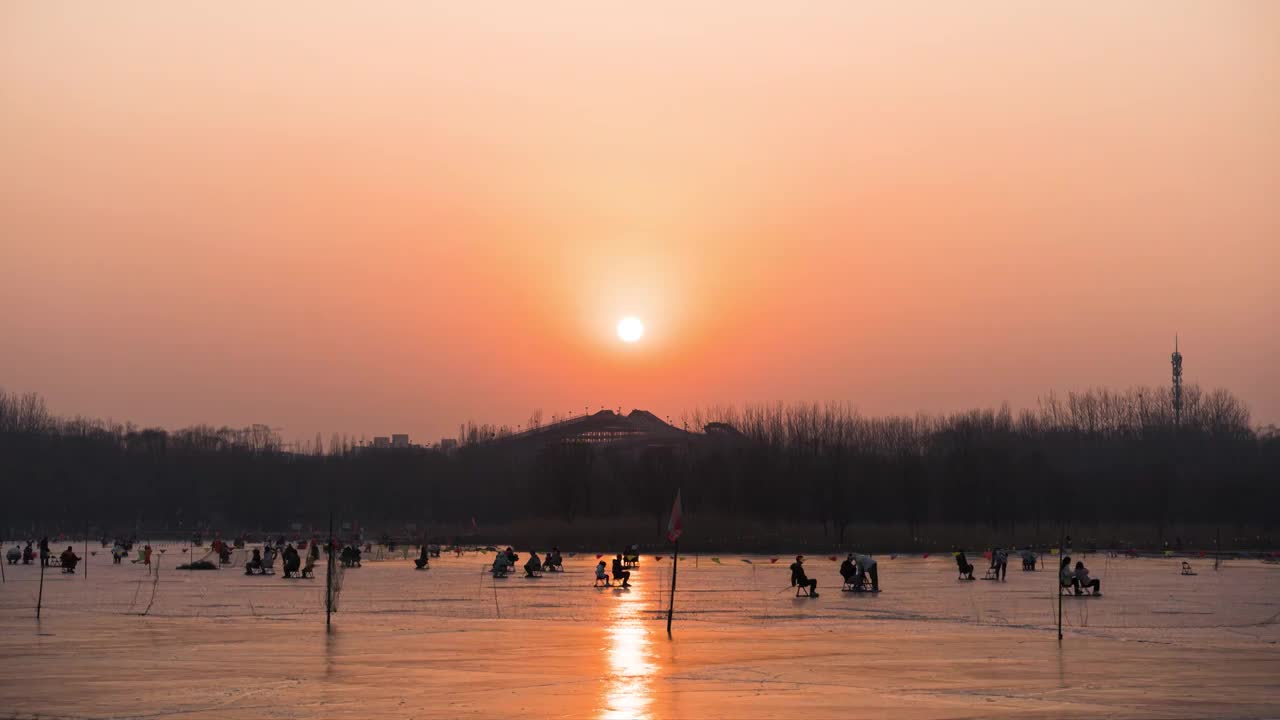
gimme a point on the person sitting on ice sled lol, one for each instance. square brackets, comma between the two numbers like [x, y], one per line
[424, 558]
[1065, 578]
[601, 574]
[553, 561]
[292, 560]
[350, 556]
[619, 573]
[69, 560]
[1083, 582]
[533, 565]
[849, 571]
[1028, 559]
[963, 565]
[14, 555]
[798, 578]
[502, 563]
[254, 564]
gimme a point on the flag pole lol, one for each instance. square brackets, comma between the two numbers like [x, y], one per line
[675, 527]
[671, 606]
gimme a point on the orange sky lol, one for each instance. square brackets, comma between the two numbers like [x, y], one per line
[394, 217]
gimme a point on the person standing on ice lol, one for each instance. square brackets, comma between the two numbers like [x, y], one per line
[867, 567]
[1000, 562]
[798, 577]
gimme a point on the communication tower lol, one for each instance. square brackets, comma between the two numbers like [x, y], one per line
[1176, 360]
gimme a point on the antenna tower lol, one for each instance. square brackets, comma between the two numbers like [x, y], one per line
[1176, 360]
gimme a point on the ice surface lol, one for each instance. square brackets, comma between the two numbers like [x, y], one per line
[454, 642]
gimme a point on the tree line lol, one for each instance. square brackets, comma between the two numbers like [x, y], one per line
[1091, 457]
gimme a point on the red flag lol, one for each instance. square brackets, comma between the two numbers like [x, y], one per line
[675, 526]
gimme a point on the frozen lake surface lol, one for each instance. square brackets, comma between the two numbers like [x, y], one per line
[454, 642]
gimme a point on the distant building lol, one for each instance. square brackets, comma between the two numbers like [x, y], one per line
[382, 442]
[399, 441]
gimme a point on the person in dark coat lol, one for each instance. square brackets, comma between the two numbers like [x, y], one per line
[800, 579]
[619, 573]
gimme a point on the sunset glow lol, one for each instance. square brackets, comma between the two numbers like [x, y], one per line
[908, 207]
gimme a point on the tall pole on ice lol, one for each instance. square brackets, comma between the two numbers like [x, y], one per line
[328, 576]
[1057, 580]
[671, 606]
[40, 597]
[675, 527]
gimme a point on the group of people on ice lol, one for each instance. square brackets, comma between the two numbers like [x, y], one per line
[999, 567]
[262, 562]
[505, 562]
[859, 572]
[620, 571]
[1078, 580]
[67, 559]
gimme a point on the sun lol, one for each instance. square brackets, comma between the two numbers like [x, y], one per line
[630, 329]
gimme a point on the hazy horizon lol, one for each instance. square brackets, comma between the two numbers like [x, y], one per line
[369, 220]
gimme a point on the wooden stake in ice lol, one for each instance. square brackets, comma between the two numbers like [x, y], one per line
[328, 576]
[40, 597]
[1057, 580]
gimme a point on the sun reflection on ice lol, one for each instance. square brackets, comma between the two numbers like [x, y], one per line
[627, 690]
